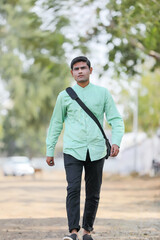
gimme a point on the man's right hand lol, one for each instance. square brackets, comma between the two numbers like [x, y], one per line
[50, 161]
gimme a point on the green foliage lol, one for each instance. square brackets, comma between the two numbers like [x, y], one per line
[34, 68]
[149, 102]
[133, 30]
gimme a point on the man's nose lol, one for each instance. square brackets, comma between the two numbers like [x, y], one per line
[80, 70]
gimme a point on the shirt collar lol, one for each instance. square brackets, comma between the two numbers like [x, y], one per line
[81, 88]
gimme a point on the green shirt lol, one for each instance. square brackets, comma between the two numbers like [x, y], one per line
[81, 132]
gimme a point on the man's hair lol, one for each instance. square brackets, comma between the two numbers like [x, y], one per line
[80, 59]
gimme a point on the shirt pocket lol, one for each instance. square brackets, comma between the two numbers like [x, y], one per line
[97, 110]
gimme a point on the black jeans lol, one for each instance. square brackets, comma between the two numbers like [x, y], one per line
[93, 181]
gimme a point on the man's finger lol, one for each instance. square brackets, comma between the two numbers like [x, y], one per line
[51, 162]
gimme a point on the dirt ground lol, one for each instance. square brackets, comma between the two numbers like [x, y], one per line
[33, 208]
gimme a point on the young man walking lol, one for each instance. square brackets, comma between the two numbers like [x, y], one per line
[83, 144]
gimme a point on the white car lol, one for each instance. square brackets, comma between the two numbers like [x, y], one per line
[18, 166]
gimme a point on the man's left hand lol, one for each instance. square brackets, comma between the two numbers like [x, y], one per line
[114, 150]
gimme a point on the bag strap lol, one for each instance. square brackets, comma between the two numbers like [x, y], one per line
[75, 97]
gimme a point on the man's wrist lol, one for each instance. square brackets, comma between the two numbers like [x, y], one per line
[116, 145]
[50, 154]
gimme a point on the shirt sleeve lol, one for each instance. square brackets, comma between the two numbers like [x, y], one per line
[114, 119]
[56, 126]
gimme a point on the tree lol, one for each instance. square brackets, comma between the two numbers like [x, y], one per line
[34, 69]
[133, 30]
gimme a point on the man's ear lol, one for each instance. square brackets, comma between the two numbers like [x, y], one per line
[71, 72]
[91, 69]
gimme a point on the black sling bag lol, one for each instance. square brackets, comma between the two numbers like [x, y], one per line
[74, 96]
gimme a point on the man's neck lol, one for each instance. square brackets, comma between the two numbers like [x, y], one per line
[83, 84]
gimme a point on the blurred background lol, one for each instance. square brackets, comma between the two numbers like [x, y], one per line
[39, 38]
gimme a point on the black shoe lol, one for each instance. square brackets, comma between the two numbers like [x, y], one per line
[73, 236]
[87, 237]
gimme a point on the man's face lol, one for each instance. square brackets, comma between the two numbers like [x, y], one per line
[81, 72]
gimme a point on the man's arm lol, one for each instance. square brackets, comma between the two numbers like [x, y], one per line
[55, 128]
[115, 120]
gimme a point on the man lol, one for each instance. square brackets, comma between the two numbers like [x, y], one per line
[84, 145]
